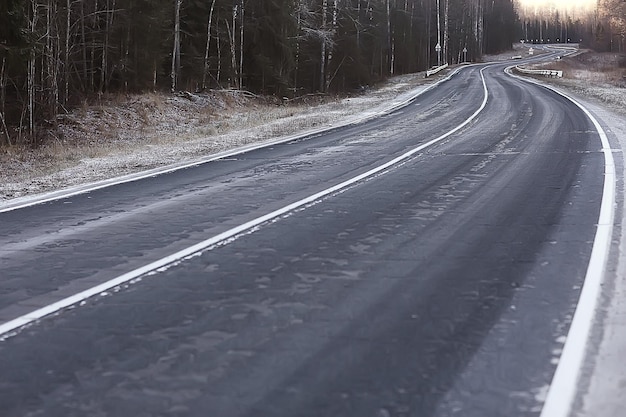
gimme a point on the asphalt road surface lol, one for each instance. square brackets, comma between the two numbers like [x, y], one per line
[440, 284]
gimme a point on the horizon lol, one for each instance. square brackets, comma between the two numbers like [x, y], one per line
[579, 5]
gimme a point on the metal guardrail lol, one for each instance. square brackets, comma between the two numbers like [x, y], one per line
[435, 70]
[545, 73]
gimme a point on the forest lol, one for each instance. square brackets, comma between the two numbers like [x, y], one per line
[56, 54]
[602, 28]
[554, 26]
[609, 28]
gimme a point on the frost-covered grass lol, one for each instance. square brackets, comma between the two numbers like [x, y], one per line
[122, 134]
[600, 76]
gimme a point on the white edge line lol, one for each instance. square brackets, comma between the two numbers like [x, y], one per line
[30, 201]
[40, 313]
[564, 385]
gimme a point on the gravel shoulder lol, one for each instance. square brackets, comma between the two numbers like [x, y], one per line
[602, 388]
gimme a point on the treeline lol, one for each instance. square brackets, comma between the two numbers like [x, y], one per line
[553, 26]
[56, 53]
[602, 27]
[609, 29]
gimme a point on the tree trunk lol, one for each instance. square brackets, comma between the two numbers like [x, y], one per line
[232, 33]
[3, 84]
[208, 43]
[241, 29]
[445, 31]
[330, 48]
[49, 78]
[219, 53]
[389, 41]
[438, 34]
[481, 41]
[105, 50]
[176, 48]
[66, 68]
[92, 52]
[323, 48]
[84, 41]
[31, 75]
[126, 59]
[297, 54]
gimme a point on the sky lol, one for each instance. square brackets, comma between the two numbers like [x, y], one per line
[560, 4]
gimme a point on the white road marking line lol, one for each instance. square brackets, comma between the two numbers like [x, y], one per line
[16, 324]
[563, 388]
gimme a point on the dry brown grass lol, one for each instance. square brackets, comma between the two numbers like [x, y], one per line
[600, 76]
[118, 134]
[599, 68]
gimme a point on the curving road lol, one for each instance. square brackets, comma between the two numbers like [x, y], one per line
[424, 263]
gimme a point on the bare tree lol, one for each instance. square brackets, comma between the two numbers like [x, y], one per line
[3, 84]
[241, 32]
[31, 73]
[208, 44]
[219, 53]
[323, 48]
[108, 24]
[333, 32]
[390, 45]
[357, 24]
[480, 28]
[438, 47]
[299, 20]
[84, 49]
[51, 57]
[176, 49]
[66, 72]
[446, 35]
[232, 33]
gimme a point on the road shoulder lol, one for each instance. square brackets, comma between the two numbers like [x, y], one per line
[601, 389]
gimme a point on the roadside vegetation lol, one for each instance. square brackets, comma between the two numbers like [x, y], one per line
[600, 76]
[598, 69]
[123, 134]
[57, 54]
[102, 98]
